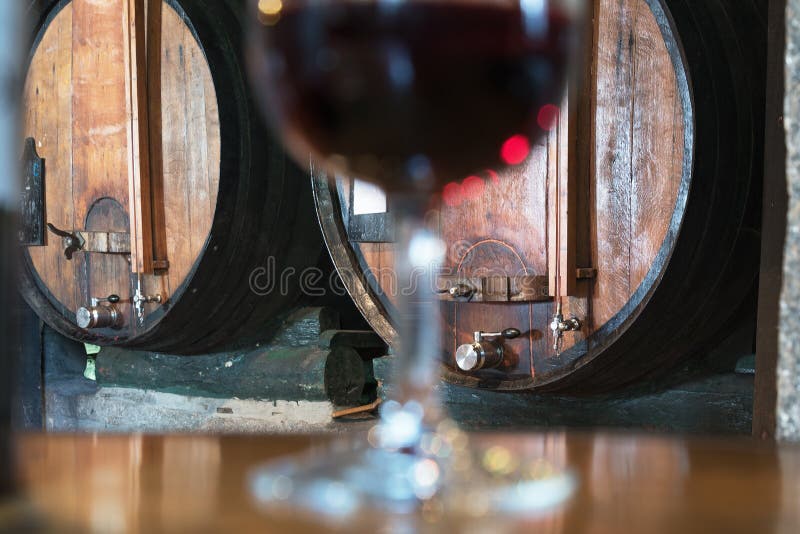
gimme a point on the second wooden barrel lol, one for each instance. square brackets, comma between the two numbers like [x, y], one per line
[227, 212]
[625, 241]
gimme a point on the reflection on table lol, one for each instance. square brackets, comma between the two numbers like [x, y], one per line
[626, 483]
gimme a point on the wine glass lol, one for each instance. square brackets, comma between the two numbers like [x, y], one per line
[412, 95]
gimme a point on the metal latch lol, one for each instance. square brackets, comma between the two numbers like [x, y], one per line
[101, 242]
[73, 242]
[528, 288]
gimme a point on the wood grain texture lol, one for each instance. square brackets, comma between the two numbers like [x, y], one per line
[657, 149]
[47, 116]
[138, 164]
[155, 143]
[191, 146]
[78, 109]
[100, 141]
[613, 152]
[614, 160]
[107, 270]
[638, 151]
[561, 198]
[100, 104]
[380, 259]
[628, 484]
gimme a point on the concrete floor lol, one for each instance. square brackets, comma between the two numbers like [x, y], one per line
[716, 404]
[704, 397]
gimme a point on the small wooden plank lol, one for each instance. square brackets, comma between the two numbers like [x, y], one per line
[175, 134]
[540, 337]
[584, 153]
[657, 150]
[367, 408]
[32, 216]
[773, 231]
[139, 193]
[553, 213]
[64, 159]
[495, 288]
[197, 181]
[100, 104]
[106, 242]
[561, 217]
[568, 178]
[101, 130]
[214, 144]
[380, 259]
[190, 130]
[612, 187]
[48, 119]
[155, 143]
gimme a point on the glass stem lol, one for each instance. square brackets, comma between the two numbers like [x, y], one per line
[418, 255]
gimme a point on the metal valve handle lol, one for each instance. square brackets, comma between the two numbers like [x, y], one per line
[111, 299]
[508, 333]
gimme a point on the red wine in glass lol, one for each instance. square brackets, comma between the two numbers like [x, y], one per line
[413, 94]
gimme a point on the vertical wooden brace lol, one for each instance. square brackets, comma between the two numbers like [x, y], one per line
[145, 182]
[561, 219]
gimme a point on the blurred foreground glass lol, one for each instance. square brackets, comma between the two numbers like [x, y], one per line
[10, 59]
[411, 95]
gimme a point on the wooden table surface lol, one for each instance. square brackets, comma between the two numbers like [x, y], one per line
[627, 483]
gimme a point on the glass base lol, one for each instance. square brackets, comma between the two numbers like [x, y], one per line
[353, 479]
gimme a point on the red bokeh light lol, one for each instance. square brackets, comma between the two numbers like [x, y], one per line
[515, 150]
[472, 187]
[493, 176]
[547, 117]
[452, 194]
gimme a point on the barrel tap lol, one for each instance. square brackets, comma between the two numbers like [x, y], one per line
[102, 313]
[486, 350]
[140, 299]
[558, 326]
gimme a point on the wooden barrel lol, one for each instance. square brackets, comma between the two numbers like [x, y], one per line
[639, 213]
[227, 209]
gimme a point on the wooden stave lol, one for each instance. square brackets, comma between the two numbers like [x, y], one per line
[593, 366]
[249, 223]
